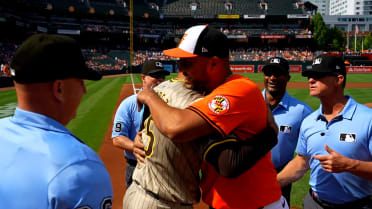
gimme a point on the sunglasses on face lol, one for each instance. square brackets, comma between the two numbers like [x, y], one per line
[275, 73]
[157, 75]
[317, 76]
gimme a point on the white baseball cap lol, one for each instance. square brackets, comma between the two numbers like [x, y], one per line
[201, 40]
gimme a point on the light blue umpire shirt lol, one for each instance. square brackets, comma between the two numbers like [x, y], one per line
[127, 121]
[349, 134]
[288, 116]
[43, 165]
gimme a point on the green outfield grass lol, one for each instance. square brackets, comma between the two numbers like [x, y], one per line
[97, 108]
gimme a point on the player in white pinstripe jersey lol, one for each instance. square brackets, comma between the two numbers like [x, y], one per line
[170, 176]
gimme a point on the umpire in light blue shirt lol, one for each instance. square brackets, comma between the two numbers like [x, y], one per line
[288, 113]
[127, 121]
[335, 143]
[43, 165]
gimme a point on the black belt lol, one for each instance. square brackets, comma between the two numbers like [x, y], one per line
[131, 162]
[155, 196]
[348, 205]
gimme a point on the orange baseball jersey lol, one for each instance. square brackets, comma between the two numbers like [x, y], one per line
[238, 107]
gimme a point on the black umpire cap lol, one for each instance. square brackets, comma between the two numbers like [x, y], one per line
[276, 66]
[154, 68]
[326, 65]
[46, 57]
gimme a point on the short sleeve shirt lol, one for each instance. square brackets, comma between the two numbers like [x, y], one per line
[349, 134]
[127, 121]
[288, 115]
[45, 166]
[237, 106]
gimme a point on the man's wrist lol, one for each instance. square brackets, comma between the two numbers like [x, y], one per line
[354, 164]
[149, 96]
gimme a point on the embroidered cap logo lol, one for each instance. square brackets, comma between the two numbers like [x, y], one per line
[275, 60]
[158, 64]
[317, 61]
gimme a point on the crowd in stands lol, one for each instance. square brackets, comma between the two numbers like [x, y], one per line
[251, 54]
[119, 59]
[263, 54]
[7, 51]
[99, 61]
[141, 56]
[179, 30]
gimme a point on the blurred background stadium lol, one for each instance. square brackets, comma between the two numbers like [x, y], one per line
[257, 30]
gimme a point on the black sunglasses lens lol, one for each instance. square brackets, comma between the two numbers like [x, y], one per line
[315, 76]
[320, 75]
[272, 73]
[157, 75]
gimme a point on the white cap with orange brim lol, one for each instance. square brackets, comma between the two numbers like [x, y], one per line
[200, 40]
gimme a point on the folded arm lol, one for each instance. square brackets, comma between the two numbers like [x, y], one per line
[232, 157]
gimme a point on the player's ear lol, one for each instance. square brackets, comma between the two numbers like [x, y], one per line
[58, 90]
[212, 64]
[340, 79]
[214, 61]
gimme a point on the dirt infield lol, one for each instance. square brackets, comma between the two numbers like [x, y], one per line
[113, 157]
[7, 88]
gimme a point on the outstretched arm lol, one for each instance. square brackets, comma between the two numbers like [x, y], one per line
[180, 125]
[123, 142]
[294, 170]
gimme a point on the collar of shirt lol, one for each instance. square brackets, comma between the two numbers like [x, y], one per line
[346, 113]
[38, 120]
[284, 102]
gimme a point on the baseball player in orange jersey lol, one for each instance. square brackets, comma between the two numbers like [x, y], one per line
[234, 104]
[170, 176]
